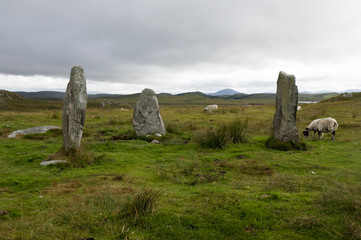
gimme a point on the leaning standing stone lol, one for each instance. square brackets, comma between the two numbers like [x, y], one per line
[146, 116]
[284, 120]
[75, 102]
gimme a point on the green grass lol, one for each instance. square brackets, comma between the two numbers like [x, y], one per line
[129, 188]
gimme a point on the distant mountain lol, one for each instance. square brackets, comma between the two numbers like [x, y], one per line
[224, 92]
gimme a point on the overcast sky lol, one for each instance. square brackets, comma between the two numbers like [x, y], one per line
[180, 45]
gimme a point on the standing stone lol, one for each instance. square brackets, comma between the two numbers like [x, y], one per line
[284, 120]
[75, 102]
[146, 116]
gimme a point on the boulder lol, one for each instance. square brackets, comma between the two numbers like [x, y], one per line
[146, 116]
[40, 129]
[211, 108]
[74, 108]
[284, 120]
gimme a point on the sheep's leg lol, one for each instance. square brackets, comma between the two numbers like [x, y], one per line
[333, 135]
[320, 134]
[314, 132]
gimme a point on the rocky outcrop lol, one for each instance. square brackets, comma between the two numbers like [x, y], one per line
[146, 116]
[74, 108]
[6, 96]
[284, 121]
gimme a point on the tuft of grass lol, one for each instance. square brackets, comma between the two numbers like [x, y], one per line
[225, 133]
[77, 158]
[285, 146]
[174, 127]
[342, 199]
[237, 130]
[5, 131]
[141, 205]
[213, 137]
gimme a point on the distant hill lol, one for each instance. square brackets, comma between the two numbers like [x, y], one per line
[189, 97]
[43, 95]
[226, 91]
[192, 93]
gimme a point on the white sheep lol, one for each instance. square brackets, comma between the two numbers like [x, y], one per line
[321, 126]
[299, 108]
[211, 108]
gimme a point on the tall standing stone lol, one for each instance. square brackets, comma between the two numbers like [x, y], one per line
[146, 116]
[74, 108]
[284, 121]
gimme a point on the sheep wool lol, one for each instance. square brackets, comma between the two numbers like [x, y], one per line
[321, 126]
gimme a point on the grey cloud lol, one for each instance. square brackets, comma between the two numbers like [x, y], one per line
[124, 40]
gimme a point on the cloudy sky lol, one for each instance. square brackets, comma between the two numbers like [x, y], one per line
[180, 45]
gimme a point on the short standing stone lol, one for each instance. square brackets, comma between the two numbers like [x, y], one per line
[74, 108]
[284, 120]
[146, 116]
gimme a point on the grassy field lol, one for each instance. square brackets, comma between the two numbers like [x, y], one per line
[133, 189]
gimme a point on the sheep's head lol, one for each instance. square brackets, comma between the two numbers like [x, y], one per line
[306, 132]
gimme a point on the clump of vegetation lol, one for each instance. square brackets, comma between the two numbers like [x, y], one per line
[173, 127]
[5, 131]
[141, 205]
[285, 146]
[109, 211]
[78, 158]
[225, 133]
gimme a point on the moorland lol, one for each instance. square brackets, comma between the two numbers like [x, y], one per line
[120, 186]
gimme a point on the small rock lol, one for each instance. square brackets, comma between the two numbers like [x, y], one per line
[45, 163]
[155, 141]
[263, 196]
[158, 134]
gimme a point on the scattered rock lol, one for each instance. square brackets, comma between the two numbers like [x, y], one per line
[284, 121]
[74, 108]
[263, 196]
[158, 134]
[155, 141]
[347, 95]
[40, 129]
[146, 116]
[105, 103]
[45, 163]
